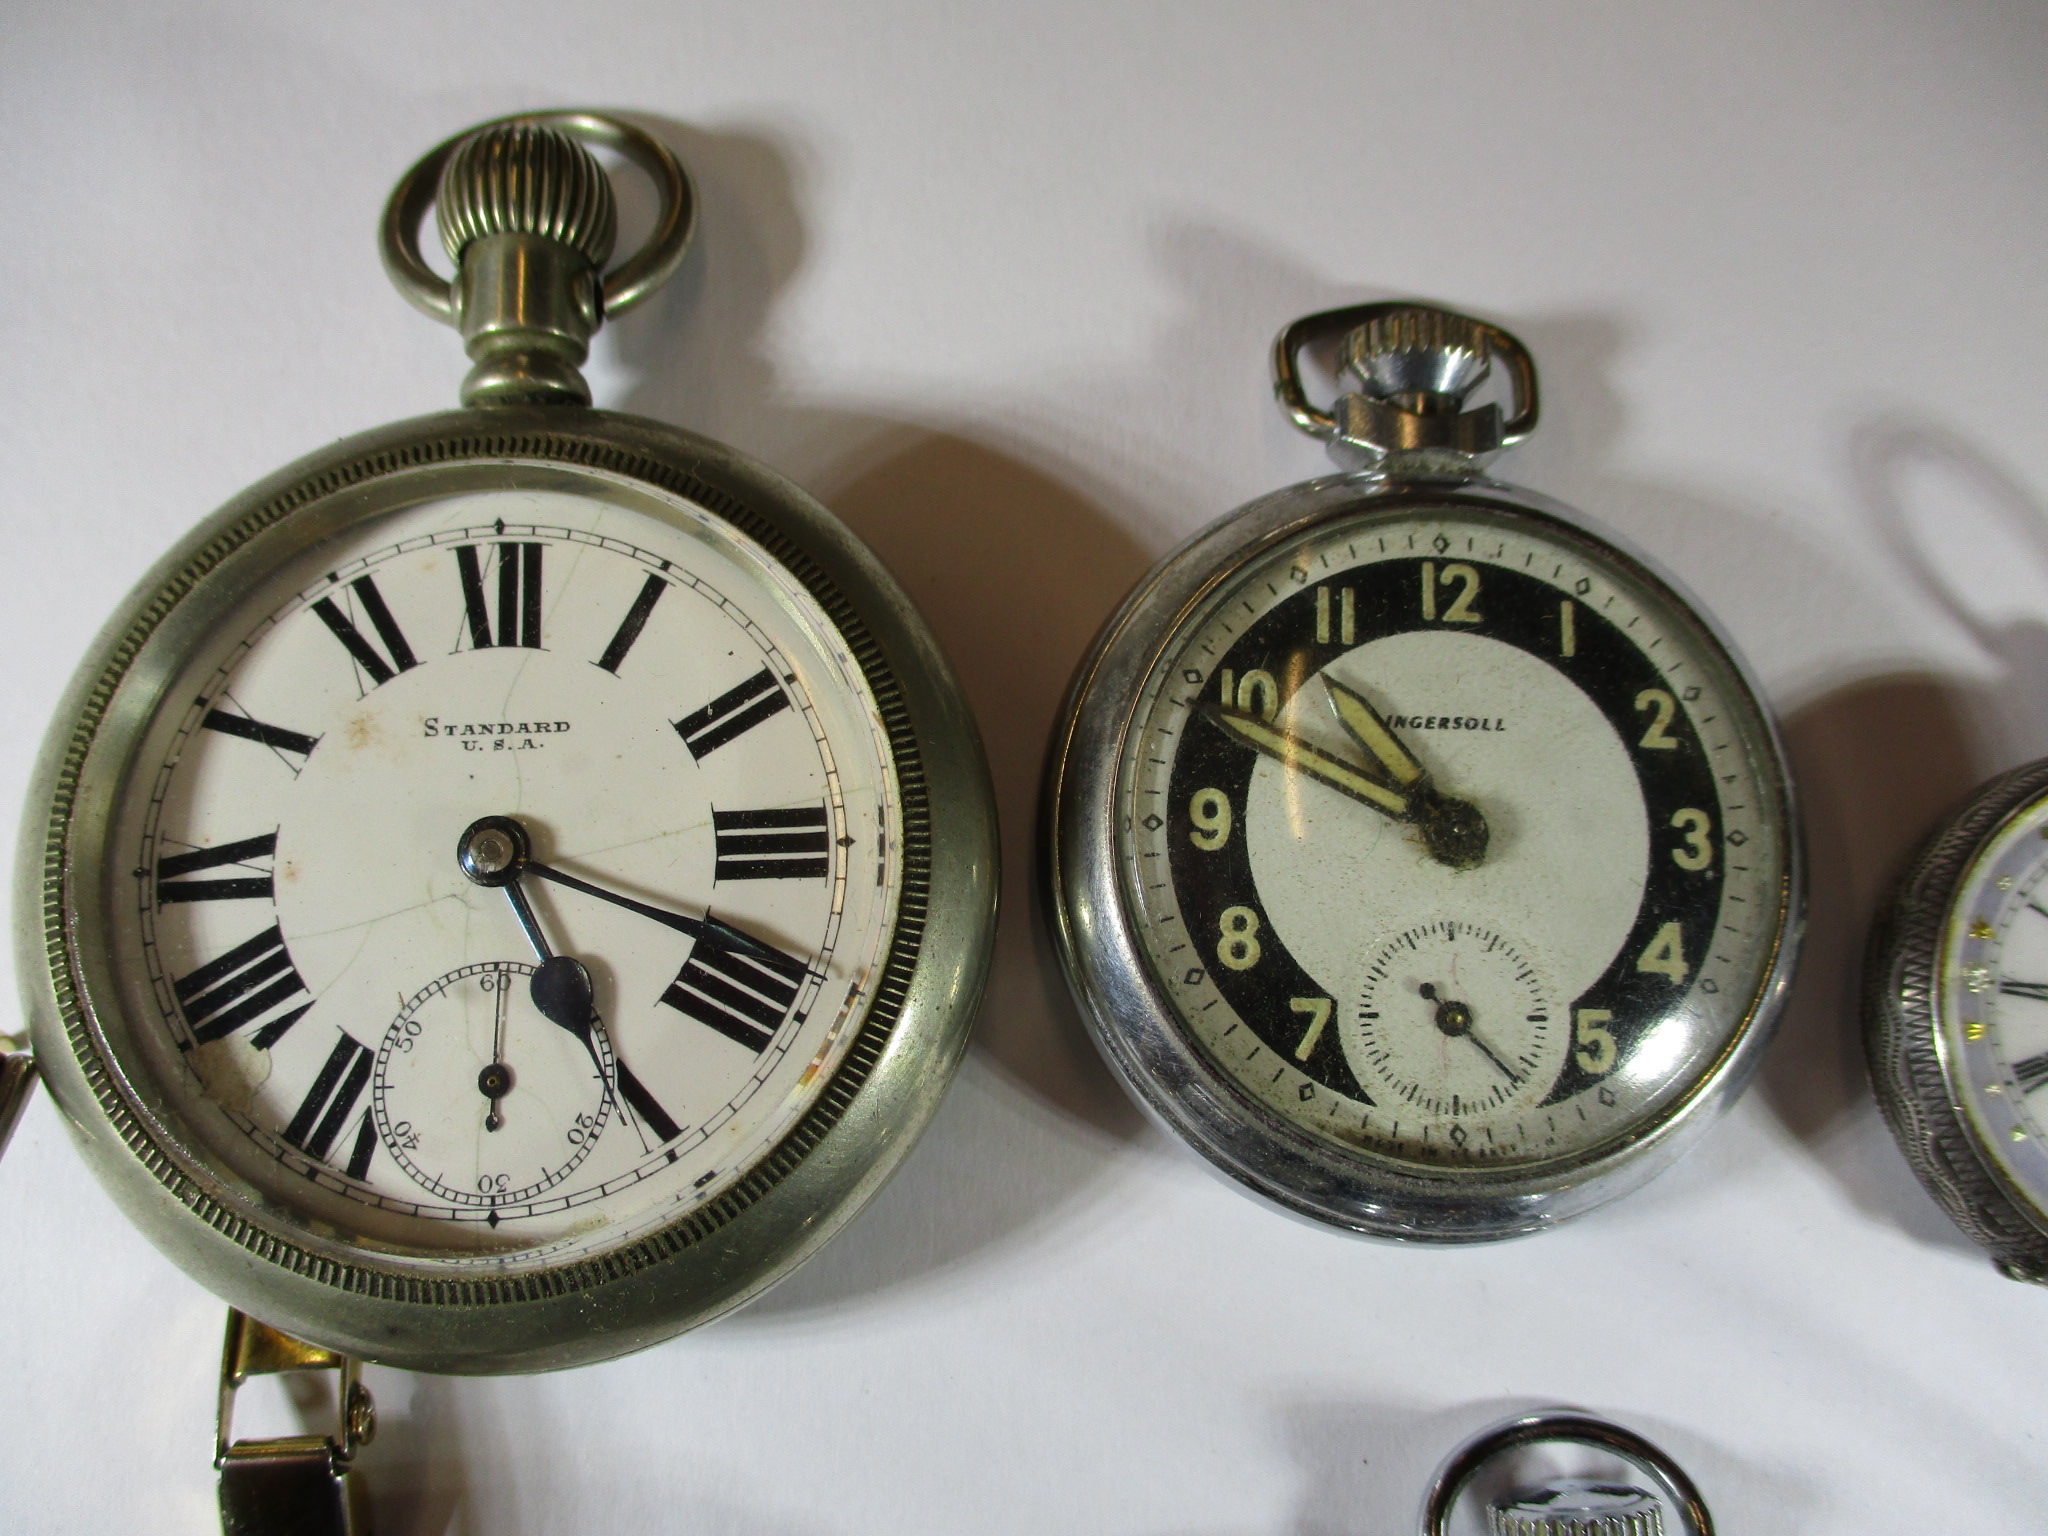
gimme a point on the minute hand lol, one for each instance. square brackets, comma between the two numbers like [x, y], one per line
[1292, 752]
[693, 926]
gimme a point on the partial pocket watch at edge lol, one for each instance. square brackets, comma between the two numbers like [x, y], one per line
[1956, 1019]
[509, 886]
[1421, 858]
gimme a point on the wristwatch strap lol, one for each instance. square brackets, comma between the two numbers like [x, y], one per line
[297, 1485]
[17, 1083]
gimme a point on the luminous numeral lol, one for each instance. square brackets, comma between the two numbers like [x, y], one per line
[1459, 575]
[2031, 1073]
[1347, 616]
[275, 737]
[1318, 1011]
[519, 593]
[326, 1106]
[738, 985]
[241, 986]
[397, 657]
[1237, 942]
[1209, 810]
[1698, 851]
[170, 887]
[1665, 954]
[1255, 693]
[733, 713]
[1663, 709]
[1595, 1052]
[1567, 628]
[630, 626]
[771, 845]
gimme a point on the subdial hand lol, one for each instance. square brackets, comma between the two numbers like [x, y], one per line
[1454, 1018]
[495, 1081]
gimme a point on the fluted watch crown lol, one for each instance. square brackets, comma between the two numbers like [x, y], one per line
[1417, 352]
[522, 178]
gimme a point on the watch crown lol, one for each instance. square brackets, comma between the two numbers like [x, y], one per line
[1425, 359]
[1573, 1507]
[527, 215]
[524, 178]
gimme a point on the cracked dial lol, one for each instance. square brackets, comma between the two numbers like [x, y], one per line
[677, 725]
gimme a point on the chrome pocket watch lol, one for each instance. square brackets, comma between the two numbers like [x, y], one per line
[1956, 1019]
[1422, 859]
[509, 886]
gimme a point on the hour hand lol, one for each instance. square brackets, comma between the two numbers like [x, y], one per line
[1291, 751]
[1452, 830]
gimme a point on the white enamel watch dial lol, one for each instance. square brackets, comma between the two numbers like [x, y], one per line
[671, 721]
[1421, 858]
[511, 885]
[1958, 1019]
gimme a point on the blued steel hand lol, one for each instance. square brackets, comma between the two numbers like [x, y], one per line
[494, 851]
[1455, 1018]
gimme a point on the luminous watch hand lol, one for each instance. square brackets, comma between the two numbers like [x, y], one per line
[1454, 829]
[1292, 752]
[1373, 733]
[1455, 1018]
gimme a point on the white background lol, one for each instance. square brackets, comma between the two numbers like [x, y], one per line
[996, 282]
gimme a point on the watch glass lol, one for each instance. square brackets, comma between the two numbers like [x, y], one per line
[1992, 1016]
[1451, 838]
[333, 1017]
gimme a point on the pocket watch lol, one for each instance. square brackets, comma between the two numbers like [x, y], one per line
[1956, 1019]
[508, 886]
[1424, 860]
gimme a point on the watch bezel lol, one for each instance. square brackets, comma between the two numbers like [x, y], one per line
[816, 1177]
[1133, 1021]
[1912, 1073]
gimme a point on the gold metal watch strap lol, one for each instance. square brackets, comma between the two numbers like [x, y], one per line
[296, 1485]
[17, 1083]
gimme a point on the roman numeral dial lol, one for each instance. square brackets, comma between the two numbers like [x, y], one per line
[379, 666]
[247, 984]
[772, 845]
[328, 1102]
[171, 872]
[739, 985]
[566, 1043]
[518, 585]
[732, 714]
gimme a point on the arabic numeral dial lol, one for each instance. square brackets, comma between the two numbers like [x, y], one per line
[1466, 818]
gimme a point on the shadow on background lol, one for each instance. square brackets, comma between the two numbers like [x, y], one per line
[1881, 760]
[1013, 568]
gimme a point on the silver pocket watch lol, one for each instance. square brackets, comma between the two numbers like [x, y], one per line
[510, 885]
[1424, 860]
[1956, 1018]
